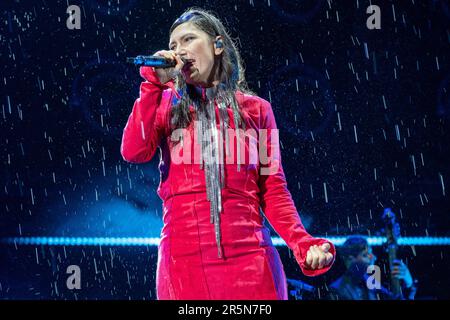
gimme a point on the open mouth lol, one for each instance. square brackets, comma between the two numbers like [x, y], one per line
[189, 65]
[188, 60]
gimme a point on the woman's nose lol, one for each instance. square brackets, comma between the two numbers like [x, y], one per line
[180, 52]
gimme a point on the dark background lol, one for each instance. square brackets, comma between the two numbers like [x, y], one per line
[66, 95]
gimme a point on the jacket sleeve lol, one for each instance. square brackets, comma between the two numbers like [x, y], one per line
[275, 199]
[147, 123]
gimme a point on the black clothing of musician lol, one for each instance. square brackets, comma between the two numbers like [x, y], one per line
[357, 284]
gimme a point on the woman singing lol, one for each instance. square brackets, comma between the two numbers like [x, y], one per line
[210, 128]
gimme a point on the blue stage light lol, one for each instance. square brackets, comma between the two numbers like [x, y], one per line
[134, 241]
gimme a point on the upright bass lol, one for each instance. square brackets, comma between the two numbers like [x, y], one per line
[392, 231]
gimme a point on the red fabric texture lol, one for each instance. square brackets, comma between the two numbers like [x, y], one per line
[188, 266]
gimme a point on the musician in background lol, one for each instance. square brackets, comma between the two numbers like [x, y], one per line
[352, 285]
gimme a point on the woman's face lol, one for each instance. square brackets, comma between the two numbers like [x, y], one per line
[191, 43]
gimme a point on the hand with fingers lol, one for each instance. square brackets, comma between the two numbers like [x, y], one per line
[166, 74]
[400, 271]
[318, 257]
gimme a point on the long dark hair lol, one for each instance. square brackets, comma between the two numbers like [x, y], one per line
[230, 70]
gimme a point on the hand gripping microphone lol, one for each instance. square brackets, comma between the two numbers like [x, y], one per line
[155, 61]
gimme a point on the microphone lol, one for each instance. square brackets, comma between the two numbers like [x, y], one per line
[155, 61]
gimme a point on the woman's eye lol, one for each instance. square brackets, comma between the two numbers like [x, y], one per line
[185, 39]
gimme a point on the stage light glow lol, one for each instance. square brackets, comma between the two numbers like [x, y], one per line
[142, 241]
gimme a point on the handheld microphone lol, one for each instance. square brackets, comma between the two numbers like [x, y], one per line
[155, 61]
